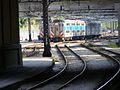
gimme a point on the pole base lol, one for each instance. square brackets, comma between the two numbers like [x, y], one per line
[47, 53]
[30, 39]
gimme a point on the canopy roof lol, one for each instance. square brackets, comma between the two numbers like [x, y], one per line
[78, 9]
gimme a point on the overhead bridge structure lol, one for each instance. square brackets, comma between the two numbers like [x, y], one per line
[99, 9]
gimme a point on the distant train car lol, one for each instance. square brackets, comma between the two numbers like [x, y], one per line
[93, 30]
[57, 28]
[55, 31]
[72, 30]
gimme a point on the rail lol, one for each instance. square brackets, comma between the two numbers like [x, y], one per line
[114, 59]
[43, 82]
[79, 74]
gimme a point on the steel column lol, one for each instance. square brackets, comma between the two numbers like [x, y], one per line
[113, 26]
[29, 29]
[119, 28]
[47, 47]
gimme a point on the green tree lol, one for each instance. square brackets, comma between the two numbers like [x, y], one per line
[23, 22]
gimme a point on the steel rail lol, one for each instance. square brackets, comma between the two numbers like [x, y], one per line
[118, 54]
[114, 59]
[64, 68]
[76, 76]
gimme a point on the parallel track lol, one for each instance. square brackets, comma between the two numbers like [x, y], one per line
[103, 52]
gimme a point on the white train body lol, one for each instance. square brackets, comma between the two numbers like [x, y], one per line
[73, 29]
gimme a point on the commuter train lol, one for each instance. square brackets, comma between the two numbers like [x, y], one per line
[73, 30]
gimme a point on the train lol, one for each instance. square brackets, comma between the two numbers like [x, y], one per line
[61, 30]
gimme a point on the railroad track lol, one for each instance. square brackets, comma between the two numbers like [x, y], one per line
[63, 72]
[35, 81]
[78, 74]
[52, 77]
[56, 71]
[67, 54]
[109, 54]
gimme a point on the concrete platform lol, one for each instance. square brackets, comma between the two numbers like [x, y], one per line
[31, 67]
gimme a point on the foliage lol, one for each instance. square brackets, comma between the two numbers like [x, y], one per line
[109, 24]
[35, 22]
[23, 23]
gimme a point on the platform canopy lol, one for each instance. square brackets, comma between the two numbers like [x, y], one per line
[73, 9]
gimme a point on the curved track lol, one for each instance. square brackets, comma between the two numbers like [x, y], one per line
[77, 75]
[66, 53]
[54, 76]
[42, 78]
[109, 55]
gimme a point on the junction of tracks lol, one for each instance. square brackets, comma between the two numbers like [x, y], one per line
[74, 65]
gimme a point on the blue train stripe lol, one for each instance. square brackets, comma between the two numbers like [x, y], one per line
[74, 27]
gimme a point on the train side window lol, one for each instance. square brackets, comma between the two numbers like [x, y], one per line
[67, 24]
[78, 23]
[67, 31]
[73, 31]
[82, 24]
[73, 23]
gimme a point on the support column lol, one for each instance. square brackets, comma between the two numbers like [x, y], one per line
[106, 25]
[1, 62]
[113, 26]
[10, 48]
[47, 47]
[0, 25]
[116, 22]
[29, 29]
[119, 28]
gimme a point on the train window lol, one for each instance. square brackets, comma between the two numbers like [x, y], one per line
[73, 31]
[67, 24]
[77, 30]
[73, 23]
[78, 23]
[67, 31]
[82, 24]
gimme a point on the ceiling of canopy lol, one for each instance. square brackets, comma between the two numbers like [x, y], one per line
[73, 9]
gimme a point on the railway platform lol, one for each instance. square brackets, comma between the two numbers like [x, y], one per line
[31, 67]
